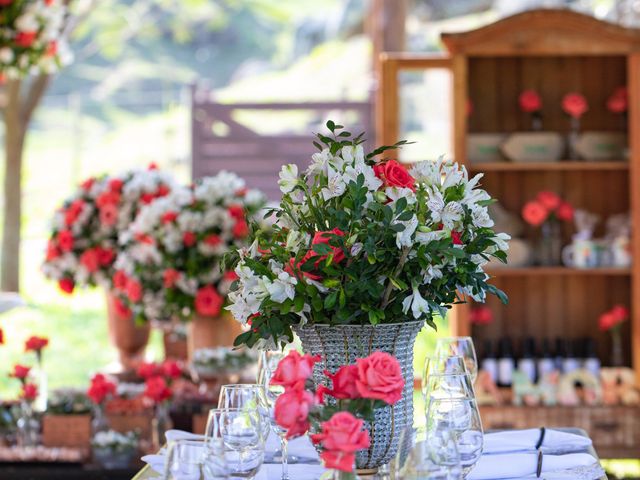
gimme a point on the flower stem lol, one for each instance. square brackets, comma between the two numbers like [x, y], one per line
[387, 292]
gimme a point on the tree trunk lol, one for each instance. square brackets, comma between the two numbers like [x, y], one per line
[14, 142]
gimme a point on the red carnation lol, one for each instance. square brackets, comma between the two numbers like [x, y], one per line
[29, 391]
[52, 251]
[35, 343]
[26, 39]
[162, 191]
[73, 212]
[108, 197]
[20, 372]
[240, 229]
[108, 215]
[100, 388]
[574, 105]
[146, 198]
[189, 239]
[66, 285]
[548, 199]
[65, 240]
[116, 184]
[88, 183]
[169, 277]
[530, 101]
[106, 256]
[208, 302]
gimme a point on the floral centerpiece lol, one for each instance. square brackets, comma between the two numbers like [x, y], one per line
[100, 390]
[611, 321]
[37, 345]
[28, 425]
[364, 251]
[336, 424]
[32, 37]
[114, 450]
[547, 210]
[170, 266]
[221, 361]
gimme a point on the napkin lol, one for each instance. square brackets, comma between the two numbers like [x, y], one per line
[524, 465]
[297, 471]
[555, 441]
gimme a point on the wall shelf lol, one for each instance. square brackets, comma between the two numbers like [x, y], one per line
[561, 166]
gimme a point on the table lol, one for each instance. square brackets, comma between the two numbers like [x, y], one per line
[147, 474]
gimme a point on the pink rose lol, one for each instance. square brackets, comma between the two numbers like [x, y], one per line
[294, 370]
[291, 411]
[394, 174]
[342, 461]
[344, 382]
[109, 215]
[380, 377]
[549, 200]
[530, 101]
[574, 105]
[343, 432]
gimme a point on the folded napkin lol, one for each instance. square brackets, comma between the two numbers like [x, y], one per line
[296, 471]
[554, 441]
[524, 465]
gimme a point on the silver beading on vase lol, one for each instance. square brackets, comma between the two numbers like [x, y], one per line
[340, 345]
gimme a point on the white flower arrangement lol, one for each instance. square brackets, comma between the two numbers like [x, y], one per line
[221, 360]
[115, 441]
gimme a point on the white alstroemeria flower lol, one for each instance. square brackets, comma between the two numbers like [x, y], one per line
[426, 237]
[282, 288]
[356, 248]
[403, 238]
[419, 306]
[480, 217]
[465, 290]
[288, 178]
[502, 243]
[395, 193]
[427, 172]
[336, 185]
[243, 306]
[353, 155]
[433, 272]
[303, 315]
[296, 239]
[446, 213]
[372, 182]
[453, 175]
[319, 162]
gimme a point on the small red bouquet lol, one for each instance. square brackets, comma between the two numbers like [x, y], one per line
[547, 206]
[337, 424]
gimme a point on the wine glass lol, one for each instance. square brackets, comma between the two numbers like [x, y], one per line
[240, 431]
[441, 365]
[459, 347]
[461, 417]
[420, 457]
[269, 394]
[195, 460]
[245, 396]
[448, 386]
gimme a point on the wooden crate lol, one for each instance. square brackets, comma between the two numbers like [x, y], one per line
[66, 431]
[615, 431]
[140, 422]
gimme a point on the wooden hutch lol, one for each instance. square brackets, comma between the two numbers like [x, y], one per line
[553, 52]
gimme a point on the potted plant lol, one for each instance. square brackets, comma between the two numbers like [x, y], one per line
[83, 245]
[114, 450]
[169, 267]
[67, 421]
[363, 253]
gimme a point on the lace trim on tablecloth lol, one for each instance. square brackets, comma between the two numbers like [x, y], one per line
[592, 472]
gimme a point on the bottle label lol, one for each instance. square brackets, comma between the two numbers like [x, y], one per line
[570, 364]
[593, 365]
[545, 365]
[528, 367]
[505, 371]
[490, 365]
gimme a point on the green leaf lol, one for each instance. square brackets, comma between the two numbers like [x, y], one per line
[330, 300]
[331, 125]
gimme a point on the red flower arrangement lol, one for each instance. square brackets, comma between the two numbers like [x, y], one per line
[574, 105]
[158, 379]
[35, 344]
[613, 318]
[530, 101]
[618, 102]
[374, 380]
[481, 315]
[545, 207]
[100, 389]
[29, 392]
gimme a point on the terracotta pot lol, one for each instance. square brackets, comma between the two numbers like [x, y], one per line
[130, 340]
[205, 332]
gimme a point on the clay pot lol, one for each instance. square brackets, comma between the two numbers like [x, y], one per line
[206, 332]
[128, 338]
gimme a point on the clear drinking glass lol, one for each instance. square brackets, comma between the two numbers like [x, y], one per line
[460, 417]
[195, 460]
[441, 365]
[241, 434]
[269, 394]
[459, 347]
[448, 386]
[423, 457]
[245, 396]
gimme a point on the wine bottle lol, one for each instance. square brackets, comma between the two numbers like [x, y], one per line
[506, 363]
[571, 362]
[527, 362]
[489, 361]
[591, 361]
[546, 363]
[560, 354]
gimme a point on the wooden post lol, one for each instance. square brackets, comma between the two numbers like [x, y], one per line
[633, 69]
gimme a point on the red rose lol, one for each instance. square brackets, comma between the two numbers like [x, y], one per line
[294, 369]
[121, 309]
[106, 256]
[574, 105]
[1, 337]
[344, 382]
[157, 390]
[26, 39]
[208, 302]
[120, 280]
[394, 174]
[73, 212]
[35, 343]
[89, 260]
[380, 377]
[291, 411]
[87, 184]
[230, 276]
[148, 369]
[565, 212]
[169, 217]
[481, 316]
[293, 268]
[213, 240]
[607, 321]
[100, 388]
[20, 371]
[549, 199]
[620, 312]
[52, 251]
[171, 369]
[108, 197]
[115, 184]
[66, 285]
[618, 101]
[236, 211]
[162, 190]
[65, 240]
[108, 215]
[344, 433]
[169, 277]
[189, 239]
[534, 213]
[29, 391]
[530, 101]
[456, 237]
[343, 461]
[240, 229]
[146, 198]
[133, 290]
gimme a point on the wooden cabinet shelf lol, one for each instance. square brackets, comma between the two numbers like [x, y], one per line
[561, 166]
[525, 271]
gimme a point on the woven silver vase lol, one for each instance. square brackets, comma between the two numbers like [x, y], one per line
[340, 345]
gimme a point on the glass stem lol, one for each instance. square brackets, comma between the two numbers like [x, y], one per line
[285, 466]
